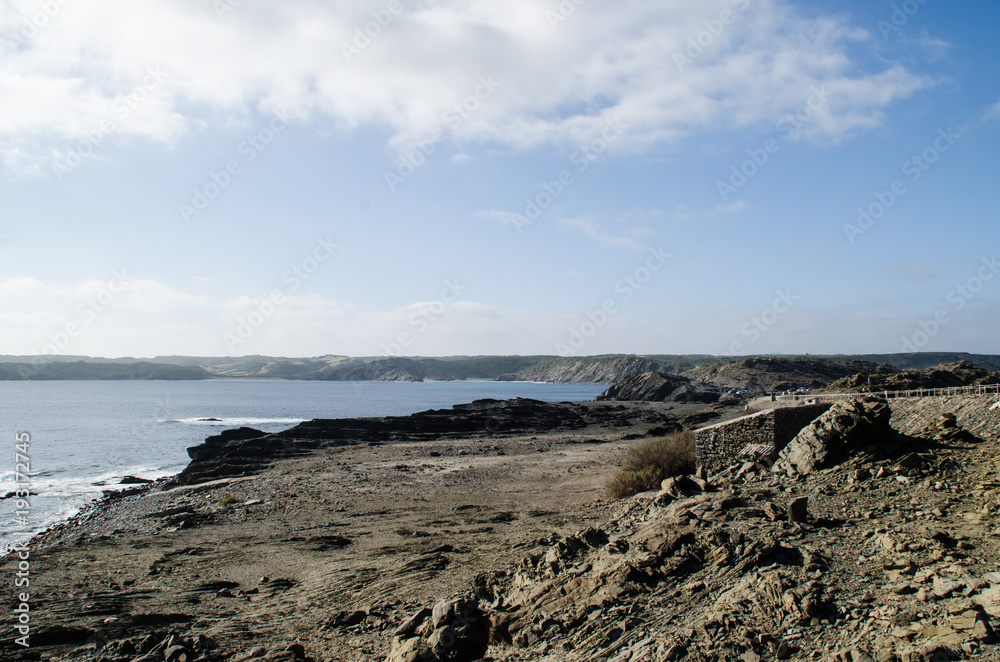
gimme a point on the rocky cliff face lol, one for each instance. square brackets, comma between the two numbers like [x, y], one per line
[589, 371]
[543, 369]
[658, 387]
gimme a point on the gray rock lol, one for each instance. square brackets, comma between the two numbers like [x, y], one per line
[675, 652]
[175, 654]
[443, 612]
[410, 625]
[798, 509]
[772, 511]
[845, 428]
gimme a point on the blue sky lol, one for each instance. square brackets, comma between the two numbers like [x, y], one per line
[516, 177]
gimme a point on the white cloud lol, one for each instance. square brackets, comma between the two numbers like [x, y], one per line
[606, 61]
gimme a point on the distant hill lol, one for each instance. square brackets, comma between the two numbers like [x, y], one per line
[589, 370]
[99, 371]
[756, 374]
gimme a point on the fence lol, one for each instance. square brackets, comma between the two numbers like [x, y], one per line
[816, 398]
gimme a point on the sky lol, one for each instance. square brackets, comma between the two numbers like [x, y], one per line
[446, 177]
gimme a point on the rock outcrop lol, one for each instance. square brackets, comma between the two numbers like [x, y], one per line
[768, 374]
[246, 451]
[947, 375]
[843, 429]
[659, 387]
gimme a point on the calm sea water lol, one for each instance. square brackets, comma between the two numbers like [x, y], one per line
[85, 436]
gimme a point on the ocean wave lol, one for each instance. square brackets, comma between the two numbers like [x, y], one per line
[61, 487]
[233, 422]
[57, 499]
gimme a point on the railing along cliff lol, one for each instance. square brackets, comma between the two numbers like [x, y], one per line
[798, 398]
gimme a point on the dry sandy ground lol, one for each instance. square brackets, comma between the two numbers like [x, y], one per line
[285, 555]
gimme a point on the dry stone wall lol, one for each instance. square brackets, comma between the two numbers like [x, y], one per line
[719, 446]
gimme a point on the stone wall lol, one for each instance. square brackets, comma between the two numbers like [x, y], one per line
[718, 446]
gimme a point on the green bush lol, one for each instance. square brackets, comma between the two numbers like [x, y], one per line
[228, 500]
[647, 465]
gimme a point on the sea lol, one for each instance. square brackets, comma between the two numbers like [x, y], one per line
[78, 439]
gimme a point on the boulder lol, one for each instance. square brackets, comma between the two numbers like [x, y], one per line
[798, 509]
[459, 632]
[844, 429]
[134, 480]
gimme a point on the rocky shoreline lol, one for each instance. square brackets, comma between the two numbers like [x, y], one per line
[401, 539]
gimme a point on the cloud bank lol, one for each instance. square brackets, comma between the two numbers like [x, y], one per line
[556, 72]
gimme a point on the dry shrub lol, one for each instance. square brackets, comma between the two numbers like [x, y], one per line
[647, 465]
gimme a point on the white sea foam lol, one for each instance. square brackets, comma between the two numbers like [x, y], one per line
[215, 421]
